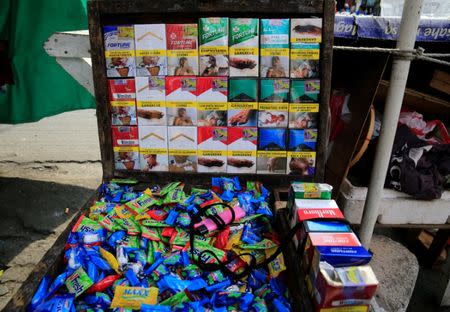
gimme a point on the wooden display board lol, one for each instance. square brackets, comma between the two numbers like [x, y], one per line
[123, 12]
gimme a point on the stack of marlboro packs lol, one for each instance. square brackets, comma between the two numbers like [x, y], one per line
[228, 95]
[335, 264]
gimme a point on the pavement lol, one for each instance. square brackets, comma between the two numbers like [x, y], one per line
[48, 169]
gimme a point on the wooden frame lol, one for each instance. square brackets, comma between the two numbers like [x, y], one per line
[116, 12]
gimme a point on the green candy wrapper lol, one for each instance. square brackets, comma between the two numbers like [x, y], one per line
[78, 282]
[150, 253]
[264, 244]
[109, 221]
[169, 187]
[175, 299]
[200, 246]
[153, 234]
[130, 225]
[84, 224]
[131, 242]
[153, 223]
[141, 204]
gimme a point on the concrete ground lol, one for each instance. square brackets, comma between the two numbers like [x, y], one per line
[48, 169]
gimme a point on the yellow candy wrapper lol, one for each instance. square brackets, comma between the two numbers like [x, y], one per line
[109, 257]
[277, 265]
[133, 297]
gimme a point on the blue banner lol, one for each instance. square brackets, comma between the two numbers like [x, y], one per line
[344, 26]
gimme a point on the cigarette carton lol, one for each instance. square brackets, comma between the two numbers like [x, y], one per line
[126, 147]
[122, 99]
[182, 54]
[244, 47]
[151, 54]
[271, 151]
[306, 30]
[181, 101]
[274, 48]
[242, 149]
[243, 102]
[153, 148]
[213, 34]
[182, 149]
[305, 91]
[212, 96]
[151, 101]
[119, 51]
[309, 191]
[301, 163]
[305, 60]
[302, 140]
[303, 115]
[273, 106]
[212, 149]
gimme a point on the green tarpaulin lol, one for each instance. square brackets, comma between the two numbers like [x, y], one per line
[41, 87]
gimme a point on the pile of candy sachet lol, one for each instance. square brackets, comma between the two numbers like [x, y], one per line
[171, 249]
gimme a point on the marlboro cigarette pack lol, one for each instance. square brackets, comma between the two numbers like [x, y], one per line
[274, 48]
[273, 106]
[182, 54]
[182, 149]
[181, 101]
[151, 57]
[151, 101]
[243, 102]
[306, 209]
[212, 96]
[126, 147]
[213, 34]
[301, 163]
[300, 140]
[271, 151]
[242, 149]
[122, 99]
[119, 51]
[303, 115]
[153, 148]
[306, 30]
[212, 149]
[305, 60]
[305, 91]
[244, 47]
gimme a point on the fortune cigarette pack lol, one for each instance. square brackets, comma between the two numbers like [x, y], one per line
[151, 101]
[242, 149]
[119, 51]
[153, 148]
[126, 147]
[302, 140]
[212, 149]
[273, 106]
[151, 56]
[212, 96]
[182, 149]
[182, 45]
[301, 163]
[274, 48]
[213, 35]
[181, 101]
[306, 30]
[243, 102]
[303, 116]
[305, 91]
[122, 99]
[244, 47]
[271, 151]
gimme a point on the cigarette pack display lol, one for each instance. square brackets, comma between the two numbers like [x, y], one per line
[274, 90]
[243, 102]
[151, 45]
[119, 51]
[182, 149]
[153, 148]
[310, 190]
[213, 34]
[274, 48]
[242, 149]
[182, 54]
[305, 60]
[300, 140]
[305, 91]
[122, 99]
[301, 163]
[181, 101]
[307, 30]
[212, 149]
[125, 147]
[271, 155]
[273, 106]
[151, 101]
[303, 116]
[212, 96]
[244, 47]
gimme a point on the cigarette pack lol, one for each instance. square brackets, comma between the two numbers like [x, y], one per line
[271, 151]
[310, 191]
[212, 97]
[243, 102]
[305, 60]
[126, 147]
[273, 106]
[181, 101]
[151, 101]
[212, 149]
[306, 30]
[122, 99]
[153, 149]
[244, 47]
[301, 163]
[119, 51]
[274, 48]
[242, 149]
[305, 91]
[182, 54]
[151, 54]
[300, 140]
[303, 115]
[213, 34]
[182, 149]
